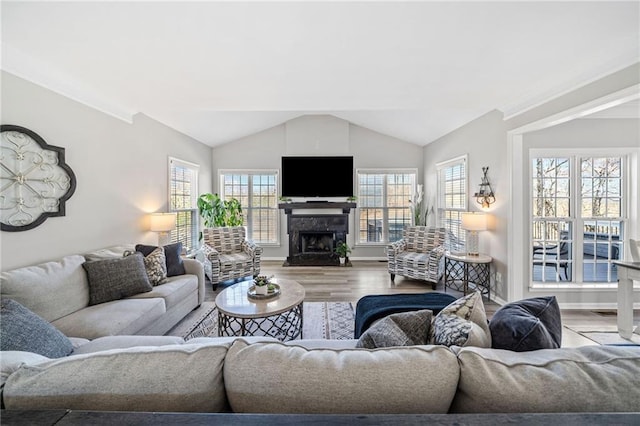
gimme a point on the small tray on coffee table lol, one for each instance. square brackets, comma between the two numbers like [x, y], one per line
[273, 293]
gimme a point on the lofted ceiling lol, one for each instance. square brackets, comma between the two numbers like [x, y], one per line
[219, 71]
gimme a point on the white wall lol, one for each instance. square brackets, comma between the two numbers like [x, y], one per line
[317, 135]
[484, 142]
[121, 172]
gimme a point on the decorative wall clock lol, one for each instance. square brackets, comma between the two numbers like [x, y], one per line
[35, 181]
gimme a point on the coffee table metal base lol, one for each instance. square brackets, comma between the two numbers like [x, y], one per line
[284, 326]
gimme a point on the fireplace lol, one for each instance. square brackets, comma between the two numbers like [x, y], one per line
[313, 237]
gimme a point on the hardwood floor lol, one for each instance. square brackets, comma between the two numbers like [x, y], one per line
[348, 284]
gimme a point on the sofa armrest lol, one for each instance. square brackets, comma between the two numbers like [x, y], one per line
[194, 267]
[395, 248]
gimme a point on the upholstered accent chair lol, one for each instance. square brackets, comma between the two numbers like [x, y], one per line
[418, 254]
[231, 255]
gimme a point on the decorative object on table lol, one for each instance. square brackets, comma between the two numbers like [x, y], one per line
[163, 224]
[472, 223]
[261, 285]
[35, 181]
[284, 199]
[485, 196]
[352, 199]
[343, 250]
[217, 212]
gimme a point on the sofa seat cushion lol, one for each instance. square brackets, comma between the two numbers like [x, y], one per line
[277, 378]
[121, 317]
[186, 378]
[588, 378]
[235, 261]
[51, 290]
[174, 290]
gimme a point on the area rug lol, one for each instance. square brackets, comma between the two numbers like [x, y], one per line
[321, 320]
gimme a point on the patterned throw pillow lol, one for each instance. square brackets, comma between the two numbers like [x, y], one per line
[401, 329]
[462, 323]
[156, 266]
[23, 330]
[173, 254]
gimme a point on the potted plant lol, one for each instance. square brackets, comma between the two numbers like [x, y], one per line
[343, 250]
[217, 212]
[262, 284]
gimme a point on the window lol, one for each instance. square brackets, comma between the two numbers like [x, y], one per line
[452, 199]
[384, 209]
[257, 192]
[183, 193]
[577, 220]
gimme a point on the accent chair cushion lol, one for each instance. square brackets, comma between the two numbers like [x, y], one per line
[22, 330]
[114, 279]
[462, 323]
[401, 329]
[527, 325]
[277, 378]
[173, 255]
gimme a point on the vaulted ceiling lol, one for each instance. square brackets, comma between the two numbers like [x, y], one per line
[219, 71]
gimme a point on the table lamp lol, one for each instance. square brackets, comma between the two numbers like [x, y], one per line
[163, 223]
[472, 223]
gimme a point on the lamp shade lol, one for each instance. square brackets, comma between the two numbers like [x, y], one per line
[474, 221]
[163, 222]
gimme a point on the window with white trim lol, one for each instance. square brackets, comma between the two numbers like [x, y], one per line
[577, 216]
[183, 194]
[257, 191]
[384, 207]
[452, 199]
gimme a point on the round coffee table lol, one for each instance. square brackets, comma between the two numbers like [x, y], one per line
[279, 316]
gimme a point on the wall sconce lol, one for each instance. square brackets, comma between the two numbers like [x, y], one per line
[163, 223]
[485, 195]
[472, 223]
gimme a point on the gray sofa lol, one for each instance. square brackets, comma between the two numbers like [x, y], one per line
[58, 291]
[260, 375]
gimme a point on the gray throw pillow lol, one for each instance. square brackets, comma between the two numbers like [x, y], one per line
[113, 279]
[23, 330]
[401, 329]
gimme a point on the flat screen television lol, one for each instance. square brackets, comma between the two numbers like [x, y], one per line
[317, 176]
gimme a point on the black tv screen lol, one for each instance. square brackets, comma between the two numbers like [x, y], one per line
[317, 176]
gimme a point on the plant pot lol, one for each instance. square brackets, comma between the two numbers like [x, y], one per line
[342, 261]
[262, 289]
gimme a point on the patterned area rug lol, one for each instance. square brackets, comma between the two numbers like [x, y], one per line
[321, 320]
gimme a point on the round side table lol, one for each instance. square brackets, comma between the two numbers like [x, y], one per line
[463, 272]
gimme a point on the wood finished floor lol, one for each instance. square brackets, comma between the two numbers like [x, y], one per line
[348, 284]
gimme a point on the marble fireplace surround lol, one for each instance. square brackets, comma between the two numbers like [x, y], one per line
[313, 234]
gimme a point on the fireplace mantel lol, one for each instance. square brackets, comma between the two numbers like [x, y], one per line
[315, 225]
[346, 207]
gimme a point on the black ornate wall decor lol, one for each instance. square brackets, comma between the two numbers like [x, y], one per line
[35, 181]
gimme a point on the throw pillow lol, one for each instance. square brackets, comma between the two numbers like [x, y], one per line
[401, 329]
[527, 325]
[462, 323]
[23, 330]
[155, 264]
[113, 279]
[172, 252]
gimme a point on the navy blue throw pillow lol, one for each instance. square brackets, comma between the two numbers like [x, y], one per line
[23, 330]
[172, 252]
[527, 325]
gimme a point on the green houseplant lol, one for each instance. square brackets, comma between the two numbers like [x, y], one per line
[342, 250]
[218, 212]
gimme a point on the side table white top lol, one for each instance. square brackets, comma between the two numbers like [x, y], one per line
[234, 301]
[481, 258]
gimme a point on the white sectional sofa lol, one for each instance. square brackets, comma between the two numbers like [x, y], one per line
[260, 375]
[58, 291]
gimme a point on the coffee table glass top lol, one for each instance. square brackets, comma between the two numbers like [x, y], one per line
[235, 302]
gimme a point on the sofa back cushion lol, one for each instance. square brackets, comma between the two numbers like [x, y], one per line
[277, 378]
[51, 290]
[585, 379]
[165, 378]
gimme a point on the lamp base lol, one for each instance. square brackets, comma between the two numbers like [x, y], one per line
[163, 238]
[472, 243]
